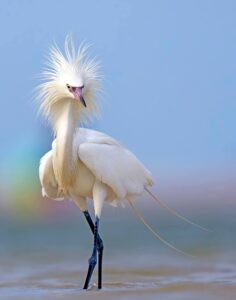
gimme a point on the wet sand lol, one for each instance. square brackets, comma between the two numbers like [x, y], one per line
[49, 260]
[52, 281]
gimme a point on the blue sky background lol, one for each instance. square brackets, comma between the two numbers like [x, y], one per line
[169, 70]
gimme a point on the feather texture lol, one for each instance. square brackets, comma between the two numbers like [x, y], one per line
[84, 163]
[80, 158]
[73, 67]
[107, 160]
[113, 164]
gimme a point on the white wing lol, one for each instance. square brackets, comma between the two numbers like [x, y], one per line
[112, 163]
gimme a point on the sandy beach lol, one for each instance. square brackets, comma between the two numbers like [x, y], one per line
[48, 259]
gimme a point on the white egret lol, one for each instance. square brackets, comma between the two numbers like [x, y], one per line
[85, 163]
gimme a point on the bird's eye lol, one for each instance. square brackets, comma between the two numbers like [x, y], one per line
[68, 86]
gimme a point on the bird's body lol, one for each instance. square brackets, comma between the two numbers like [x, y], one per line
[85, 163]
[94, 157]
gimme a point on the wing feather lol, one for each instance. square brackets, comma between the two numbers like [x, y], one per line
[113, 164]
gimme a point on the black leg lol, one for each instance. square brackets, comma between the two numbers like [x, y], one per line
[100, 255]
[98, 246]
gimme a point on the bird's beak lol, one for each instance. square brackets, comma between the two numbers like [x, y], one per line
[78, 94]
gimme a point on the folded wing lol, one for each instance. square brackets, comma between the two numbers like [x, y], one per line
[113, 164]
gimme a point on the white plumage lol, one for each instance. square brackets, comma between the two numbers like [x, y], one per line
[82, 157]
[113, 165]
[99, 157]
[83, 163]
[107, 160]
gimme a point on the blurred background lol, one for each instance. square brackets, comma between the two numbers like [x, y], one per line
[170, 90]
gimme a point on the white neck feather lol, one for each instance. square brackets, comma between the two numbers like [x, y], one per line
[65, 118]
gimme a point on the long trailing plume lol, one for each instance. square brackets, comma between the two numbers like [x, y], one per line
[174, 212]
[155, 233]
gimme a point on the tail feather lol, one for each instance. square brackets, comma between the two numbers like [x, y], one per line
[156, 234]
[174, 212]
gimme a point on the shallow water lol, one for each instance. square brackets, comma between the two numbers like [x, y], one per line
[48, 259]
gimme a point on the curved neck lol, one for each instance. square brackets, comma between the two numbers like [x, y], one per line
[65, 118]
[64, 112]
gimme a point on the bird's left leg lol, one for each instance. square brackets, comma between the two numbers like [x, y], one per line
[99, 195]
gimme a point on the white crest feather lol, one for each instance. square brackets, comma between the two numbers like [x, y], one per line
[69, 68]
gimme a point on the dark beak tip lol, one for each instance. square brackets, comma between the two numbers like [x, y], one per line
[83, 101]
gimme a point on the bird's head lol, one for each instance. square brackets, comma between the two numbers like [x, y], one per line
[70, 77]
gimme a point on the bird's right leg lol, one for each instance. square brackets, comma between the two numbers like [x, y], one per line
[100, 247]
[93, 258]
[99, 195]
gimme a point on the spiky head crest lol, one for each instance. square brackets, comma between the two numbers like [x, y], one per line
[71, 68]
